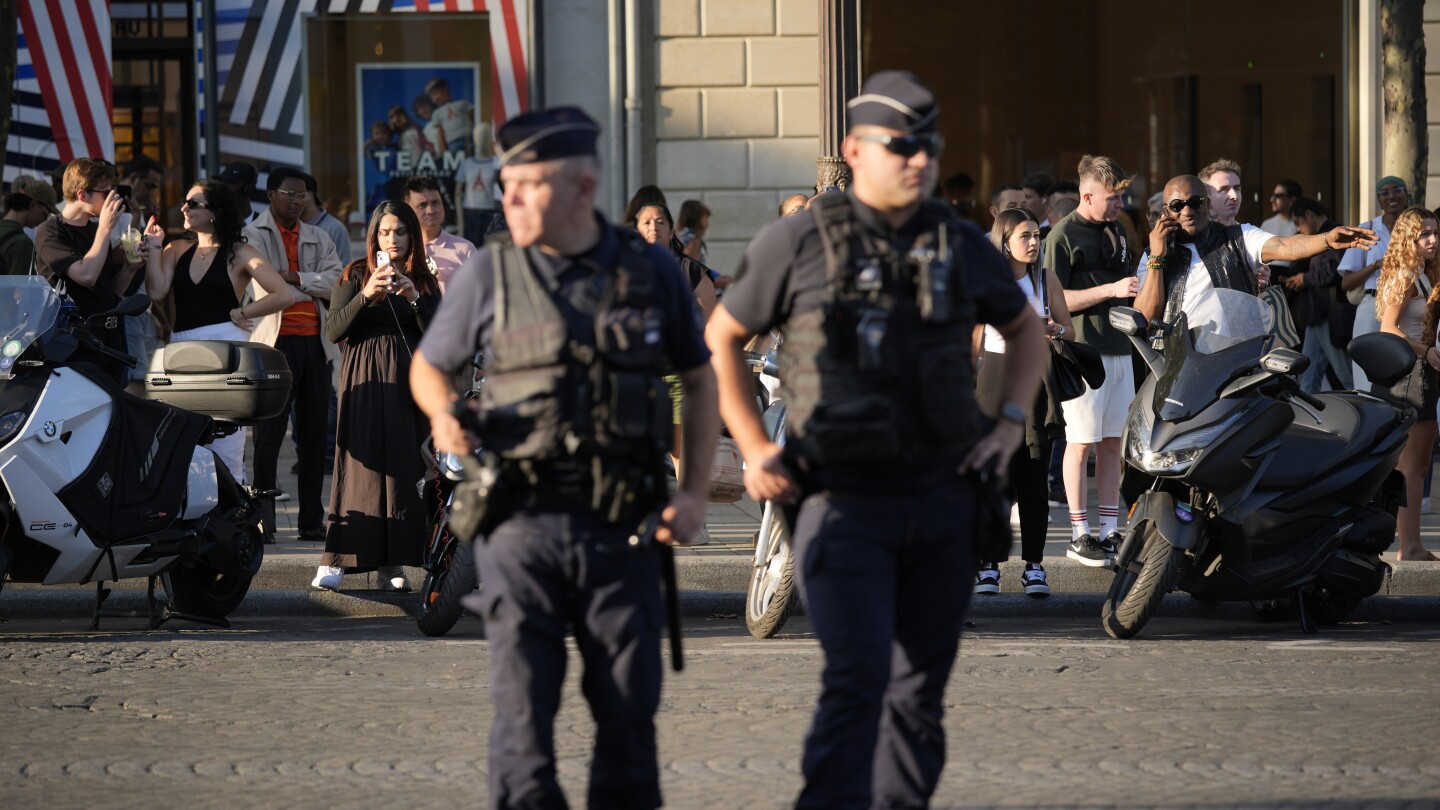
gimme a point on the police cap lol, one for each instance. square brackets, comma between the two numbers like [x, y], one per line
[895, 99]
[550, 134]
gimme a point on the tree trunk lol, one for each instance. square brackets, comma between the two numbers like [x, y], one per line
[1407, 148]
[9, 38]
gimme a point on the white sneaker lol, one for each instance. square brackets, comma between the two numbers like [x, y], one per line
[701, 537]
[1015, 515]
[327, 578]
[391, 578]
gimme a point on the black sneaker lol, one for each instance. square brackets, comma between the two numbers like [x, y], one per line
[1057, 498]
[1111, 544]
[1086, 550]
[987, 579]
[1033, 578]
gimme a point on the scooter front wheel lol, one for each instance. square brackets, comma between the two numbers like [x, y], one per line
[450, 582]
[772, 581]
[1133, 595]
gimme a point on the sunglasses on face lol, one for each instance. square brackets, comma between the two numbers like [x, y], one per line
[1194, 203]
[193, 203]
[1279, 196]
[105, 191]
[907, 145]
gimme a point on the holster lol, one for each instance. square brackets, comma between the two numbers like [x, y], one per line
[485, 499]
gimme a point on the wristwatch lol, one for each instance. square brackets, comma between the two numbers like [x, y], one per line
[1012, 413]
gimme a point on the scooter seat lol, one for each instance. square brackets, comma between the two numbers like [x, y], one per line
[1307, 448]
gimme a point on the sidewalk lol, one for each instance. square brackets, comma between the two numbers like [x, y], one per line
[712, 577]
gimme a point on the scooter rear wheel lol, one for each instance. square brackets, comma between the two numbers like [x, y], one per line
[1134, 596]
[203, 591]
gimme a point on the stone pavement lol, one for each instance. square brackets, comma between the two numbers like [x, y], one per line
[367, 714]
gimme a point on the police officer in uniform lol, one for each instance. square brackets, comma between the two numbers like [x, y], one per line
[577, 319]
[877, 291]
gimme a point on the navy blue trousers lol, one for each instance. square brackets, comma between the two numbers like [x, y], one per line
[886, 580]
[540, 574]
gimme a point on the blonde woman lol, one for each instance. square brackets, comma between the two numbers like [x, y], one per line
[1406, 303]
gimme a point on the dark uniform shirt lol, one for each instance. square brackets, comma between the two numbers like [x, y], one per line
[783, 272]
[467, 312]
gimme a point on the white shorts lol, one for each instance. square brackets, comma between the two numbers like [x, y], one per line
[1100, 413]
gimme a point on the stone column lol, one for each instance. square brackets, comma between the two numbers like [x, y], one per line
[839, 82]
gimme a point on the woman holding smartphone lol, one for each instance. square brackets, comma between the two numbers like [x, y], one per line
[1016, 234]
[379, 308]
[1409, 275]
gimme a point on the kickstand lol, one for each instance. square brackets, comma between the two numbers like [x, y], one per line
[1307, 622]
[101, 594]
[169, 612]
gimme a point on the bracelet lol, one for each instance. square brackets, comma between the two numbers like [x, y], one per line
[1155, 263]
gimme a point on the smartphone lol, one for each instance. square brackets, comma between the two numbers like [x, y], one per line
[124, 192]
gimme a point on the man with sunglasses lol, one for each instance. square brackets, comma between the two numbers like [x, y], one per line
[1190, 254]
[878, 290]
[75, 249]
[1359, 270]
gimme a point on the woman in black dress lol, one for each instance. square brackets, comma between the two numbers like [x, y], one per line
[379, 308]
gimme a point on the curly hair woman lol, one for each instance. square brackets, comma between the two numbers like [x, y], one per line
[1406, 302]
[379, 308]
[208, 270]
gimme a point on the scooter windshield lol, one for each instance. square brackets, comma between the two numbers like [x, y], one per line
[1222, 332]
[28, 308]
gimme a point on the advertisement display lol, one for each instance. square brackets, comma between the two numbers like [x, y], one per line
[416, 118]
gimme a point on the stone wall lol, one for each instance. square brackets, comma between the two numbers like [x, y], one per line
[1432, 100]
[736, 111]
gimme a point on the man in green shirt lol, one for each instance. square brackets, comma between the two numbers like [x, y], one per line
[1087, 253]
[27, 205]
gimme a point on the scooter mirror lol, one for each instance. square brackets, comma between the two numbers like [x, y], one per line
[1128, 320]
[128, 307]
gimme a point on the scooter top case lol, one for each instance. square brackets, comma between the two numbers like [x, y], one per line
[229, 381]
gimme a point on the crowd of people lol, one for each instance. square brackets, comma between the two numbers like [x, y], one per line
[913, 349]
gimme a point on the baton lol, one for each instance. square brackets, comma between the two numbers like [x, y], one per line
[645, 536]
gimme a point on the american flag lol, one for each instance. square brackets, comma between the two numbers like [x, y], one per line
[68, 45]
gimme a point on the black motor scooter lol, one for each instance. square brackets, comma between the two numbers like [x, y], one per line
[1249, 489]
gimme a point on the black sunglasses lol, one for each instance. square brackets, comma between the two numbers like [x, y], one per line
[193, 203]
[907, 145]
[1177, 205]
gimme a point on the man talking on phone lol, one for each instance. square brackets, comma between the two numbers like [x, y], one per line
[1191, 254]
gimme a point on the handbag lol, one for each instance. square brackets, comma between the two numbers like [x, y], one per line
[1411, 387]
[727, 476]
[1073, 368]
[1277, 317]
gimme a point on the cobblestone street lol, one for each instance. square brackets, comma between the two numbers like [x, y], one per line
[366, 713]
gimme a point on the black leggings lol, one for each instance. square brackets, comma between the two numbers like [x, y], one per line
[1030, 487]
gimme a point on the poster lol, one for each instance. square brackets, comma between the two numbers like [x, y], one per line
[416, 118]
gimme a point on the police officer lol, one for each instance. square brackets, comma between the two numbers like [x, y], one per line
[878, 291]
[576, 318]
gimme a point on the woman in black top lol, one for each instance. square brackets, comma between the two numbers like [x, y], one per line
[208, 270]
[379, 308]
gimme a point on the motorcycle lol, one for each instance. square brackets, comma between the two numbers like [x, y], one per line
[770, 595]
[1254, 490]
[98, 485]
[450, 573]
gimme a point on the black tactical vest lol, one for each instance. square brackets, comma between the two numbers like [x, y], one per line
[573, 386]
[878, 379]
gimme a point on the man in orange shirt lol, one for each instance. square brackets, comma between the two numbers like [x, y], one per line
[304, 255]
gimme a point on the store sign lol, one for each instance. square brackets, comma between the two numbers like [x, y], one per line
[414, 119]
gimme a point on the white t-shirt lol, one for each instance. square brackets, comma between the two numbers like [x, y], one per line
[1197, 281]
[451, 122]
[1356, 259]
[478, 179]
[1030, 286]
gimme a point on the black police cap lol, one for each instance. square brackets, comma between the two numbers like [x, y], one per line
[551, 134]
[895, 99]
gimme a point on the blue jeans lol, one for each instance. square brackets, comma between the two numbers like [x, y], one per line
[1324, 354]
[886, 580]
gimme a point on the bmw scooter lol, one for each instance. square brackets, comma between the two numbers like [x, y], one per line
[97, 485]
[1254, 490]
[771, 593]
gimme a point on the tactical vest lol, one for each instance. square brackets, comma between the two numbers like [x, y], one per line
[578, 390]
[878, 379]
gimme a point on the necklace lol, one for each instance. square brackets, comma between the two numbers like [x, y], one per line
[203, 253]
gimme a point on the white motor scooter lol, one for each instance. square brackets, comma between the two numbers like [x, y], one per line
[97, 485]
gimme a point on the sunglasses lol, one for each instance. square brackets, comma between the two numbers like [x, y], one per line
[1279, 196]
[193, 203]
[907, 145]
[105, 191]
[1194, 203]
